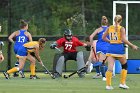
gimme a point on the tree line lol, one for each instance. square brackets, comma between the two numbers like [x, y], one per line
[51, 17]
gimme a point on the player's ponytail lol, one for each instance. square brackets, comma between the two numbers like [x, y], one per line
[117, 19]
[23, 23]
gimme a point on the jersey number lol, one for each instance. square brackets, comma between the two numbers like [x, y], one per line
[114, 36]
[68, 46]
[21, 39]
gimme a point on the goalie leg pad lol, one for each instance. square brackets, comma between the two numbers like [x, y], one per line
[60, 64]
[80, 60]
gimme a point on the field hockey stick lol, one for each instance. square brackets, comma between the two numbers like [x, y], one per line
[78, 71]
[97, 63]
[94, 53]
[104, 60]
[58, 49]
[52, 76]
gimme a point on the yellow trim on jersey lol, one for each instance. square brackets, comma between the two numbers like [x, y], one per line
[31, 45]
[115, 55]
[115, 35]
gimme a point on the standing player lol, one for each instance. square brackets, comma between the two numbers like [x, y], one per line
[101, 48]
[24, 52]
[116, 50]
[21, 36]
[1, 45]
[69, 44]
[92, 56]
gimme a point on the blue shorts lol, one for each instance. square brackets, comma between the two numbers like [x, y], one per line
[22, 51]
[16, 47]
[102, 47]
[116, 50]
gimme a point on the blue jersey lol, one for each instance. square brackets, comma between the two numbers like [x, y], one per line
[102, 46]
[20, 40]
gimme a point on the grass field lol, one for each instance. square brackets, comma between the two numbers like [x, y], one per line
[70, 85]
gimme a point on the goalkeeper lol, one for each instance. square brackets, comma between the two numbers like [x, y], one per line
[69, 44]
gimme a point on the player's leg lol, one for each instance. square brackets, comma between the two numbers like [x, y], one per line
[111, 62]
[89, 64]
[32, 60]
[97, 65]
[21, 55]
[123, 73]
[17, 63]
[80, 63]
[58, 64]
[16, 73]
[15, 69]
[103, 67]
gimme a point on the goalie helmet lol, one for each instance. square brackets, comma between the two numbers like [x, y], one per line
[68, 34]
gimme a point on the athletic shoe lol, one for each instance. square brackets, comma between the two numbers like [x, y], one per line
[6, 75]
[22, 74]
[104, 79]
[123, 86]
[34, 77]
[109, 88]
[15, 74]
[98, 75]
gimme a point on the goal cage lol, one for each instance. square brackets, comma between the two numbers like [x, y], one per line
[126, 3]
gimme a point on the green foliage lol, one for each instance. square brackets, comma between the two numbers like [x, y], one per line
[50, 17]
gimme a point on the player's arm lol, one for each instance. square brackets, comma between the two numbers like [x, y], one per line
[10, 38]
[123, 35]
[94, 34]
[86, 45]
[37, 54]
[104, 37]
[58, 43]
[1, 57]
[30, 37]
[0, 28]
[53, 45]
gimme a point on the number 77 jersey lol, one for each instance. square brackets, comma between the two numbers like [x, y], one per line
[115, 35]
[69, 46]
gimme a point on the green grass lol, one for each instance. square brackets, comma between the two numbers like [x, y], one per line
[70, 85]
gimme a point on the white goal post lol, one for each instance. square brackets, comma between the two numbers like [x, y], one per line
[114, 13]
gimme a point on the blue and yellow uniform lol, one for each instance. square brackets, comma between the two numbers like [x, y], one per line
[27, 48]
[116, 47]
[23, 51]
[20, 40]
[101, 45]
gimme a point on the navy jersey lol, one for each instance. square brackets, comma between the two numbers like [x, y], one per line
[20, 40]
[102, 46]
